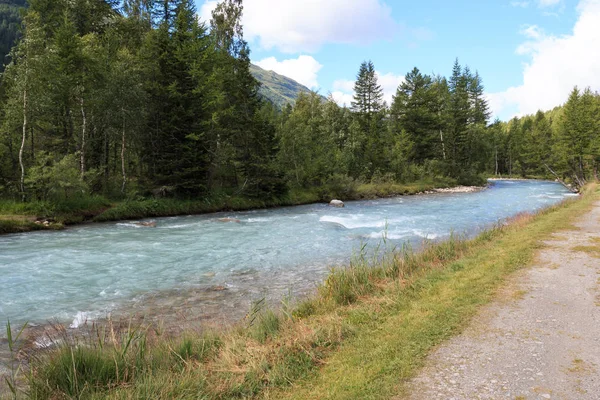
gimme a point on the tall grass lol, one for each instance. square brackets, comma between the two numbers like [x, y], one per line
[12, 341]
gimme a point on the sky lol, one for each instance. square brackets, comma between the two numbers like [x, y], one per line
[529, 53]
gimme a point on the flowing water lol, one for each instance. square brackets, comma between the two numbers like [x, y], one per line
[218, 260]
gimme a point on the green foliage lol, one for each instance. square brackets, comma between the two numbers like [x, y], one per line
[56, 180]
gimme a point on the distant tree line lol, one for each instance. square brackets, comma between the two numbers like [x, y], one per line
[134, 97]
[562, 143]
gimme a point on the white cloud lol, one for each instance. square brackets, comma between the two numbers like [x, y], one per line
[206, 10]
[293, 26]
[303, 69]
[556, 65]
[344, 89]
[532, 32]
[343, 99]
[521, 4]
[389, 83]
[344, 85]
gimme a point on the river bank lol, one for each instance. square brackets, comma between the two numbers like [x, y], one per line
[369, 314]
[18, 217]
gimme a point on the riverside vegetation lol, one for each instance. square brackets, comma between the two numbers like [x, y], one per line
[363, 334]
[124, 102]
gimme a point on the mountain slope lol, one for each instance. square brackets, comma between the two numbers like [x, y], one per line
[278, 89]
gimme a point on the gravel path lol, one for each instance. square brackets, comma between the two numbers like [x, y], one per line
[539, 340]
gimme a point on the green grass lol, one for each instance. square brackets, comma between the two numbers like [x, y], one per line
[366, 331]
[20, 217]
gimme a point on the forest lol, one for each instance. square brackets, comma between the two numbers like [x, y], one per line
[137, 98]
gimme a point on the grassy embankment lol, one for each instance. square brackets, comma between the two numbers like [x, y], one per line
[366, 331]
[21, 217]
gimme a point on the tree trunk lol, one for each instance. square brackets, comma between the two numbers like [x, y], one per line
[443, 145]
[510, 163]
[496, 158]
[83, 137]
[23, 142]
[123, 155]
[32, 145]
[571, 189]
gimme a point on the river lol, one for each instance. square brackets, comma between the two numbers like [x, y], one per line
[219, 265]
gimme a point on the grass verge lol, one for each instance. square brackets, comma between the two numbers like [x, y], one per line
[366, 331]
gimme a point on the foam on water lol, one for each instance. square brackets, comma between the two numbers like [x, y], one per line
[353, 221]
[84, 272]
[81, 318]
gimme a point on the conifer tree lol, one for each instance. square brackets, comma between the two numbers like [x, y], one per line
[241, 129]
[368, 107]
[415, 109]
[368, 94]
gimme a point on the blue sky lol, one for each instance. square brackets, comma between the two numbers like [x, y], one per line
[530, 53]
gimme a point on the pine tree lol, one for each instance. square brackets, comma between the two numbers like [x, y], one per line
[368, 94]
[458, 117]
[177, 152]
[574, 138]
[370, 112]
[414, 109]
[480, 112]
[243, 138]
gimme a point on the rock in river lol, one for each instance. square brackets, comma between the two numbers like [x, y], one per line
[336, 203]
[229, 220]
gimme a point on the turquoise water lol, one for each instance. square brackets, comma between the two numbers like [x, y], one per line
[87, 271]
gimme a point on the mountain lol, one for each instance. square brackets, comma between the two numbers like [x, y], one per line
[278, 89]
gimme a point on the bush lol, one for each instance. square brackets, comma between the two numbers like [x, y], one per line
[56, 180]
[338, 186]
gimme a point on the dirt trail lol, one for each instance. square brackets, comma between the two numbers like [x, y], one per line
[539, 340]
